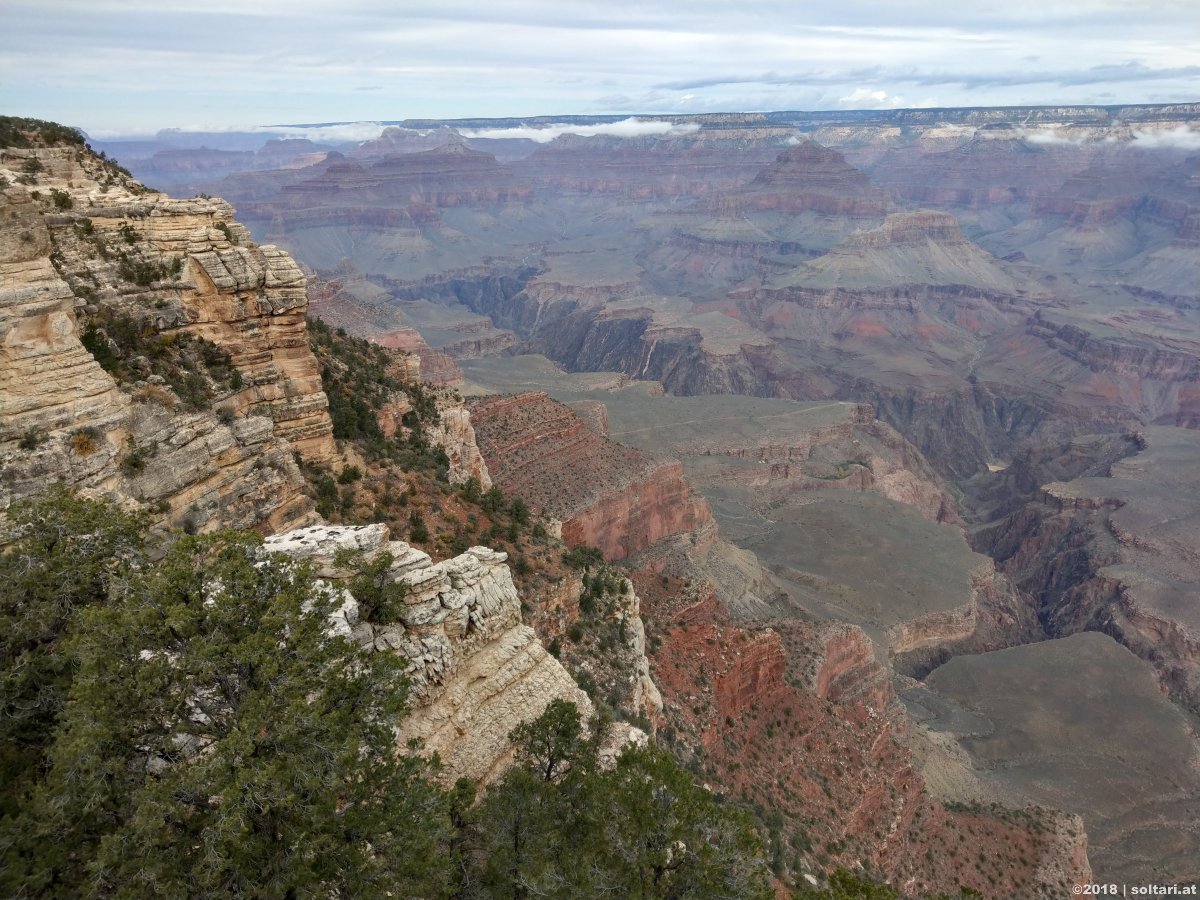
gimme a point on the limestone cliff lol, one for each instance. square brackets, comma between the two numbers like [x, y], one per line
[455, 434]
[87, 253]
[476, 670]
[153, 353]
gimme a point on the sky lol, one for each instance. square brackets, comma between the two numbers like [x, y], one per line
[135, 66]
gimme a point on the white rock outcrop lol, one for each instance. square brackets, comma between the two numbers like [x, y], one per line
[455, 434]
[476, 670]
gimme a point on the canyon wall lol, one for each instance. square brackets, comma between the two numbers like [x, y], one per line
[803, 721]
[476, 671]
[1113, 550]
[605, 495]
[108, 251]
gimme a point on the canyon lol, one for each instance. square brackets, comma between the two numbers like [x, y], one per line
[862, 357]
[886, 420]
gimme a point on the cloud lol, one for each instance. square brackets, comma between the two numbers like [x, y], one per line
[865, 98]
[1179, 138]
[1121, 73]
[1131, 71]
[343, 132]
[332, 133]
[143, 64]
[626, 128]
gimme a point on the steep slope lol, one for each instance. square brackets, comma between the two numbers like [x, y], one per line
[1116, 553]
[604, 495]
[803, 723]
[798, 719]
[153, 354]
[179, 311]
[798, 206]
[476, 670]
[917, 248]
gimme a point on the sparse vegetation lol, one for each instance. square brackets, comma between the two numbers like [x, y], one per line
[359, 379]
[86, 441]
[31, 439]
[25, 133]
[131, 350]
[134, 462]
[582, 556]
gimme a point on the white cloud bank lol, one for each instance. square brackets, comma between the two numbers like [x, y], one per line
[337, 133]
[1180, 138]
[345, 132]
[626, 128]
[866, 98]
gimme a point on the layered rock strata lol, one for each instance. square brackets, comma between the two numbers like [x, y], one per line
[605, 495]
[108, 245]
[804, 722]
[1117, 553]
[476, 671]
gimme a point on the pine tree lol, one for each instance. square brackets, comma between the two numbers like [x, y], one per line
[219, 740]
[63, 551]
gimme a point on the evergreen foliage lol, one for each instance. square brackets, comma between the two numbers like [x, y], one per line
[560, 825]
[357, 378]
[63, 555]
[195, 368]
[583, 556]
[180, 721]
[16, 131]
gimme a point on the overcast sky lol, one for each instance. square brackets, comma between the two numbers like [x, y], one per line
[116, 66]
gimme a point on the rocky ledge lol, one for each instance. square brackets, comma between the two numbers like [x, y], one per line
[476, 670]
[167, 271]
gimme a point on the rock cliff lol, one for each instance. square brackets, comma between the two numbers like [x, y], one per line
[803, 721]
[476, 671]
[605, 495]
[1115, 552]
[641, 169]
[155, 286]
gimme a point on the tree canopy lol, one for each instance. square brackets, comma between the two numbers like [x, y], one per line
[181, 720]
[214, 737]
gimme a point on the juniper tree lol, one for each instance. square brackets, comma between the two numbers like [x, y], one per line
[219, 740]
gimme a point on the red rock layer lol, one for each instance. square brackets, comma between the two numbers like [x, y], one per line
[437, 366]
[803, 723]
[606, 495]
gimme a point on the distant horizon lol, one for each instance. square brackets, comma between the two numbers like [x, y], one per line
[134, 66]
[565, 118]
